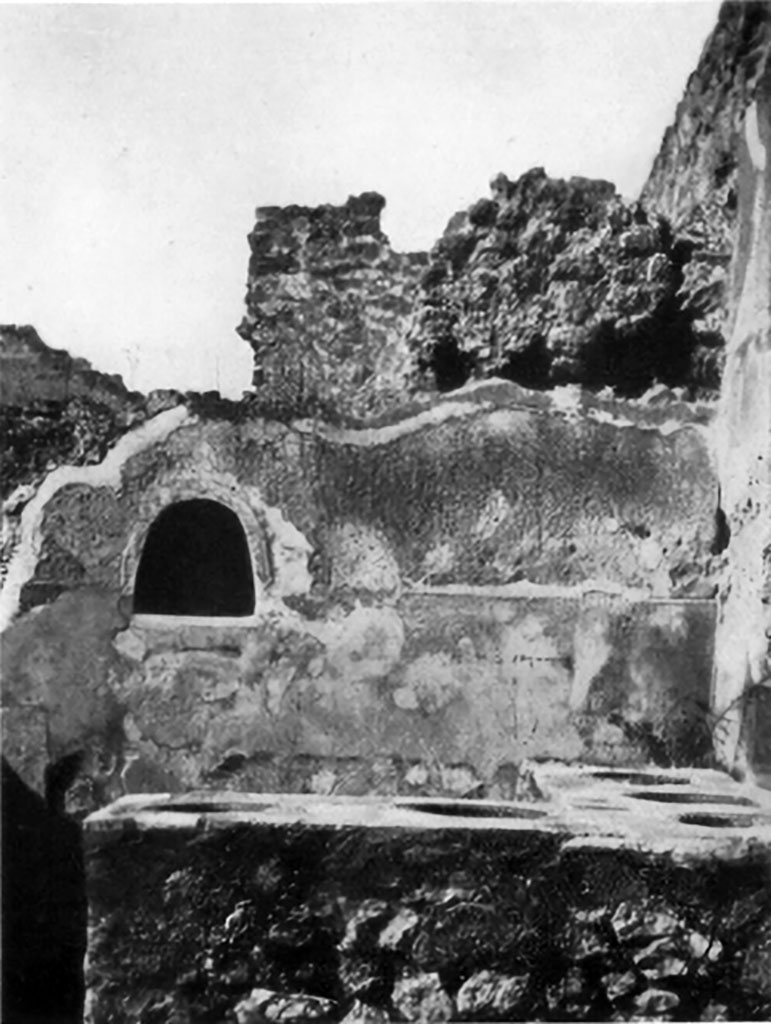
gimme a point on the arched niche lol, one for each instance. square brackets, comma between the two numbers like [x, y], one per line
[195, 561]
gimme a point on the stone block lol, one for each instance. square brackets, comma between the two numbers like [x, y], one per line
[422, 999]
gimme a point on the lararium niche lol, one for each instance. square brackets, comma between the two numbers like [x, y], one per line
[195, 561]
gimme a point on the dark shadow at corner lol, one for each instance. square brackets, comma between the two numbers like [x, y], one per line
[44, 910]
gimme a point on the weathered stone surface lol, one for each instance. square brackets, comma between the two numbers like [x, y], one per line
[715, 1011]
[367, 979]
[701, 947]
[363, 928]
[487, 995]
[552, 281]
[31, 373]
[422, 999]
[327, 306]
[55, 409]
[656, 1003]
[464, 932]
[657, 963]
[62, 682]
[587, 939]
[559, 281]
[263, 1005]
[743, 662]
[545, 282]
[619, 984]
[437, 598]
[573, 996]
[363, 1013]
[755, 977]
[399, 932]
[633, 923]
[694, 178]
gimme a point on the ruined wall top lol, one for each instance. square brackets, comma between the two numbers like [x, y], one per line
[328, 302]
[545, 282]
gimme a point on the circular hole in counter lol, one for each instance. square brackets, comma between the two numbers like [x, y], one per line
[466, 809]
[722, 799]
[640, 778]
[204, 807]
[716, 820]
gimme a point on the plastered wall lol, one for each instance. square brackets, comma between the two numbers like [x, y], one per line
[500, 575]
[742, 693]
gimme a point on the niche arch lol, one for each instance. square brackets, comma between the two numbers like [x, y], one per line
[195, 561]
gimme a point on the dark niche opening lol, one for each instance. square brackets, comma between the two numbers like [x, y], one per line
[195, 561]
[451, 366]
[530, 367]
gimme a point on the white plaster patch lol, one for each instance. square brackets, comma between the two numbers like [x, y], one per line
[592, 649]
[297, 286]
[671, 620]
[495, 512]
[10, 535]
[754, 141]
[362, 560]
[525, 588]
[622, 422]
[18, 498]
[323, 782]
[406, 698]
[437, 560]
[417, 775]
[603, 416]
[106, 474]
[742, 441]
[527, 641]
[278, 682]
[567, 399]
[220, 690]
[371, 437]
[131, 730]
[459, 780]
[650, 554]
[431, 682]
[466, 650]
[508, 421]
[131, 644]
[315, 667]
[290, 550]
[366, 644]
[503, 610]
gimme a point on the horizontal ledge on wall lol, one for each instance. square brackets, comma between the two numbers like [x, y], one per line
[526, 589]
[150, 620]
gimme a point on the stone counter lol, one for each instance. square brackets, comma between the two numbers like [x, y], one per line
[615, 895]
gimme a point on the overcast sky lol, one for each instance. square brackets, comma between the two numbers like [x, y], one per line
[137, 141]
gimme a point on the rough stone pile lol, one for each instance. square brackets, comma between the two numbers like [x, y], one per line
[552, 282]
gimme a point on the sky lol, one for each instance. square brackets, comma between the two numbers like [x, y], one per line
[138, 141]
